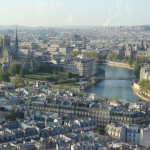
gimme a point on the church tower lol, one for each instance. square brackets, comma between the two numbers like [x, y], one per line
[5, 42]
[16, 42]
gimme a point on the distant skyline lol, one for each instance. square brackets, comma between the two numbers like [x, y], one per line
[75, 12]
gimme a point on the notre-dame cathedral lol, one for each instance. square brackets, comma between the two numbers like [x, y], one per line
[9, 55]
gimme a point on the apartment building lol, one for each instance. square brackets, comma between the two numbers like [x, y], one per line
[102, 114]
[82, 67]
[145, 72]
[116, 130]
[134, 134]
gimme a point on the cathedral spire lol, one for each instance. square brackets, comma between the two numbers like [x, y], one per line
[16, 43]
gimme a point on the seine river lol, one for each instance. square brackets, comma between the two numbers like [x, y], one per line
[115, 88]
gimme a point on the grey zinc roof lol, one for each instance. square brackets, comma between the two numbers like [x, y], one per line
[24, 52]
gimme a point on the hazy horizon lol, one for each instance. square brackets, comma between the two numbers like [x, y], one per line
[68, 26]
[57, 13]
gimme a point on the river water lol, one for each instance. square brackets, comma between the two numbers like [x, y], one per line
[115, 88]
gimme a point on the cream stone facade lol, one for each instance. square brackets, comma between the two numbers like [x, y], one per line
[82, 67]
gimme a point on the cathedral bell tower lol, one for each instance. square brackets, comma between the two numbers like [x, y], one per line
[5, 42]
[16, 42]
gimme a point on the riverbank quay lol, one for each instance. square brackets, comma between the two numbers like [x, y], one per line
[119, 64]
[137, 91]
[82, 86]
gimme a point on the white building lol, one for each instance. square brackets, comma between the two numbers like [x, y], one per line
[145, 72]
[116, 130]
[145, 54]
[140, 50]
[144, 138]
[133, 134]
[128, 52]
[82, 67]
[137, 106]
[93, 96]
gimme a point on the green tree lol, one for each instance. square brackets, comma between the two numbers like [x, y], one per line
[14, 69]
[105, 99]
[75, 52]
[137, 66]
[145, 85]
[49, 68]
[18, 81]
[91, 54]
[137, 69]
[13, 116]
[130, 61]
[112, 56]
[69, 75]
[31, 71]
[4, 76]
[81, 94]
[22, 72]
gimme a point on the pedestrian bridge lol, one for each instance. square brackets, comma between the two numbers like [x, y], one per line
[116, 78]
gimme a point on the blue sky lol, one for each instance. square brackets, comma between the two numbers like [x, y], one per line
[74, 12]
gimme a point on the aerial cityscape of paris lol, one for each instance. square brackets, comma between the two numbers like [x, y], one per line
[75, 75]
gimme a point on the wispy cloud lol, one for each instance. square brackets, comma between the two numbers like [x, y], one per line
[70, 19]
[117, 13]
